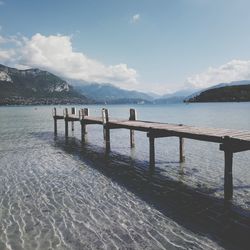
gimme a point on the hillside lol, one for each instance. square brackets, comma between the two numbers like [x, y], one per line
[108, 93]
[236, 93]
[34, 86]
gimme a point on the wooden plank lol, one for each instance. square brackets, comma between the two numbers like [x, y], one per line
[59, 117]
[195, 136]
[93, 120]
[235, 146]
[166, 129]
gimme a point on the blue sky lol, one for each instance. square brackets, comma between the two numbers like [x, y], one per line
[150, 45]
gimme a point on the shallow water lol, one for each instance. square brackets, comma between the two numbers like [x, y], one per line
[62, 194]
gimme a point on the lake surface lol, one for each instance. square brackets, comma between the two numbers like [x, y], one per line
[58, 193]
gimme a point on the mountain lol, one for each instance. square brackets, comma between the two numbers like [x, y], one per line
[233, 93]
[108, 93]
[153, 95]
[176, 97]
[34, 86]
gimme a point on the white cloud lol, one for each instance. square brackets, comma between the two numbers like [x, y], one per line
[55, 54]
[234, 70]
[135, 18]
[6, 55]
[2, 39]
[1, 2]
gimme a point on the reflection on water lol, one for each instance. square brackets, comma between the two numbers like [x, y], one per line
[62, 194]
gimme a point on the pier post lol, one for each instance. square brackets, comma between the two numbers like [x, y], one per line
[228, 173]
[132, 117]
[73, 112]
[151, 150]
[82, 113]
[55, 120]
[106, 131]
[182, 157]
[66, 115]
[83, 126]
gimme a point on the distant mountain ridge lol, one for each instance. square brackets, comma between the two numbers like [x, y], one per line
[108, 93]
[220, 85]
[236, 91]
[176, 97]
[31, 85]
[35, 86]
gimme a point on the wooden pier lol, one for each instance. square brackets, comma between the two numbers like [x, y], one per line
[230, 141]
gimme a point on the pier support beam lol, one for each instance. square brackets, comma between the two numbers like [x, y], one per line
[132, 117]
[228, 175]
[55, 120]
[73, 112]
[66, 115]
[228, 149]
[151, 150]
[82, 113]
[182, 157]
[106, 130]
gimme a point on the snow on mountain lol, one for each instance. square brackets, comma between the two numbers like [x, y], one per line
[4, 76]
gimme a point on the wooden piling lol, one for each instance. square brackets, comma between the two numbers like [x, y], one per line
[66, 114]
[55, 120]
[83, 126]
[230, 141]
[228, 175]
[132, 117]
[82, 113]
[103, 122]
[151, 150]
[73, 112]
[106, 131]
[182, 157]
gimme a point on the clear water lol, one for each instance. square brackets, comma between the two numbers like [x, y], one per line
[62, 194]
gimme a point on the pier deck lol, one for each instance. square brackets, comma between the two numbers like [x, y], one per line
[231, 141]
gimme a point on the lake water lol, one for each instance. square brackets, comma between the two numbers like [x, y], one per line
[63, 194]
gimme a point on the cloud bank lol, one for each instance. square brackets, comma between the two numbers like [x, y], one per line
[234, 70]
[55, 54]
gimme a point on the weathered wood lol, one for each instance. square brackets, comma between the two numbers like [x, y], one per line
[106, 131]
[66, 114]
[93, 120]
[228, 175]
[83, 125]
[235, 146]
[151, 150]
[231, 141]
[55, 121]
[73, 112]
[82, 114]
[132, 117]
[54, 112]
[182, 157]
[86, 112]
[104, 122]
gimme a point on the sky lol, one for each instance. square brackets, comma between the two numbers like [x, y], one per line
[149, 45]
